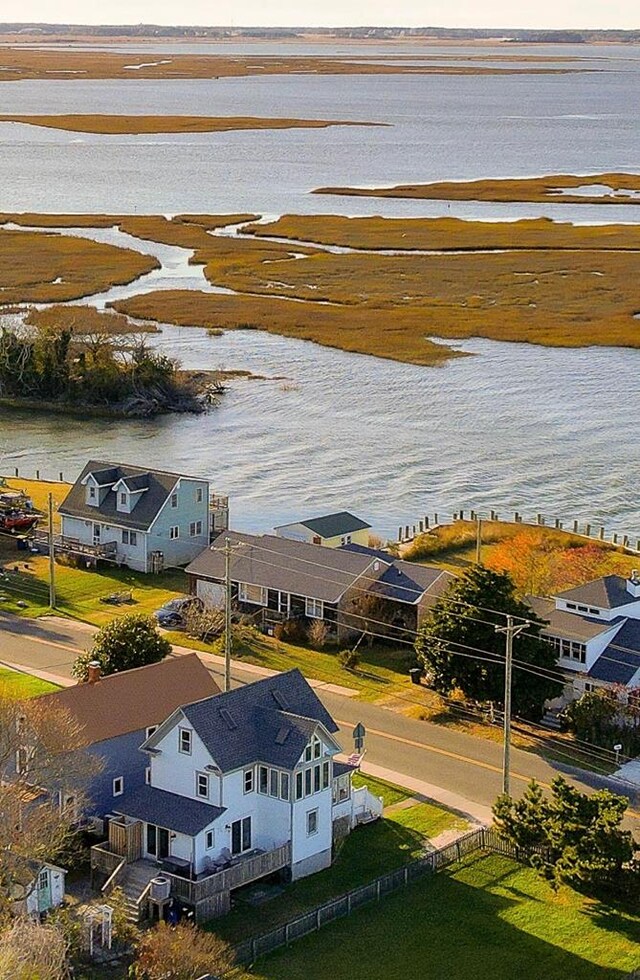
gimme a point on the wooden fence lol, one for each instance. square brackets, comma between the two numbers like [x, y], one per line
[590, 530]
[484, 839]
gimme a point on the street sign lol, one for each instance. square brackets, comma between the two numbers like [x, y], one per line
[359, 733]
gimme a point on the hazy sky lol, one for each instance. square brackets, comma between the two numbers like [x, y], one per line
[451, 13]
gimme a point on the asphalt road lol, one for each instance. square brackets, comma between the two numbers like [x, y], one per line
[459, 763]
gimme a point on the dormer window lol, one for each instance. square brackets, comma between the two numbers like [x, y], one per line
[123, 499]
[91, 495]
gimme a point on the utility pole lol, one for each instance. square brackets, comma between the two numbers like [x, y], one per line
[228, 640]
[510, 630]
[479, 542]
[52, 558]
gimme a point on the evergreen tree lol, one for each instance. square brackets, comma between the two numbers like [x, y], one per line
[461, 649]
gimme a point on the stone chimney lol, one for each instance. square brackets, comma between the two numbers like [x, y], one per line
[94, 669]
[633, 584]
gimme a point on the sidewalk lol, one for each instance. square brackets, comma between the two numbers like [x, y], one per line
[210, 659]
[475, 812]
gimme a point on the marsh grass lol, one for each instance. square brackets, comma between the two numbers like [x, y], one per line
[541, 190]
[86, 320]
[134, 125]
[20, 63]
[36, 267]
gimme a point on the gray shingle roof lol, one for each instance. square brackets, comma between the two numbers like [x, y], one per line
[269, 721]
[619, 665]
[570, 625]
[168, 810]
[158, 483]
[288, 566]
[407, 582]
[333, 525]
[607, 592]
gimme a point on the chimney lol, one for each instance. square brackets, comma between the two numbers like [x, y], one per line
[633, 584]
[94, 670]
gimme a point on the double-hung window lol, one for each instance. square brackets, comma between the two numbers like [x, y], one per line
[274, 780]
[263, 780]
[209, 839]
[174, 499]
[199, 495]
[248, 780]
[284, 785]
[312, 822]
[314, 608]
[202, 785]
[195, 529]
[184, 741]
[174, 532]
[256, 595]
[325, 775]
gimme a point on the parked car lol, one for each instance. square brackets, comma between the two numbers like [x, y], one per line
[172, 614]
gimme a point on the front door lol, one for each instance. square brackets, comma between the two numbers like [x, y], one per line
[44, 890]
[241, 836]
[157, 841]
[163, 844]
[96, 534]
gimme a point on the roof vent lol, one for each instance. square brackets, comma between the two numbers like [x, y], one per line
[280, 699]
[228, 719]
[282, 736]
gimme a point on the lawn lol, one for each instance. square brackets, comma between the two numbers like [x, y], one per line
[486, 917]
[15, 684]
[370, 851]
[78, 591]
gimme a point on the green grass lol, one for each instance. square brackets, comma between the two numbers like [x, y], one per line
[15, 684]
[486, 917]
[369, 851]
[383, 671]
[78, 590]
[390, 794]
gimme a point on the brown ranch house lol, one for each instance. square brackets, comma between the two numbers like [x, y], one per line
[351, 589]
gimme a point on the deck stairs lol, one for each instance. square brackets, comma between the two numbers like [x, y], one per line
[137, 877]
[551, 719]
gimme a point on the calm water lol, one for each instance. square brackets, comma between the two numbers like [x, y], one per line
[515, 427]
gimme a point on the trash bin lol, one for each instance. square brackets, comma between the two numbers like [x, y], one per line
[22, 544]
[415, 674]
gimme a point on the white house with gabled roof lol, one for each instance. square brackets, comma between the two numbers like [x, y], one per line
[145, 519]
[595, 630]
[240, 785]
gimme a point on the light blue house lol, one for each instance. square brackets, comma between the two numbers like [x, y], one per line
[120, 711]
[145, 519]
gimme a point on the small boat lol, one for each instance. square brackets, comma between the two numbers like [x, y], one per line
[17, 514]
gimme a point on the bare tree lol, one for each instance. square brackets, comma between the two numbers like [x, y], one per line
[30, 950]
[45, 771]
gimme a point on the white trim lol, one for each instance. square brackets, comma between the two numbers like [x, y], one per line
[116, 780]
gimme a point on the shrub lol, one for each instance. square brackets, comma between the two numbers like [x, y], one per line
[349, 658]
[124, 643]
[318, 634]
[290, 631]
[181, 953]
